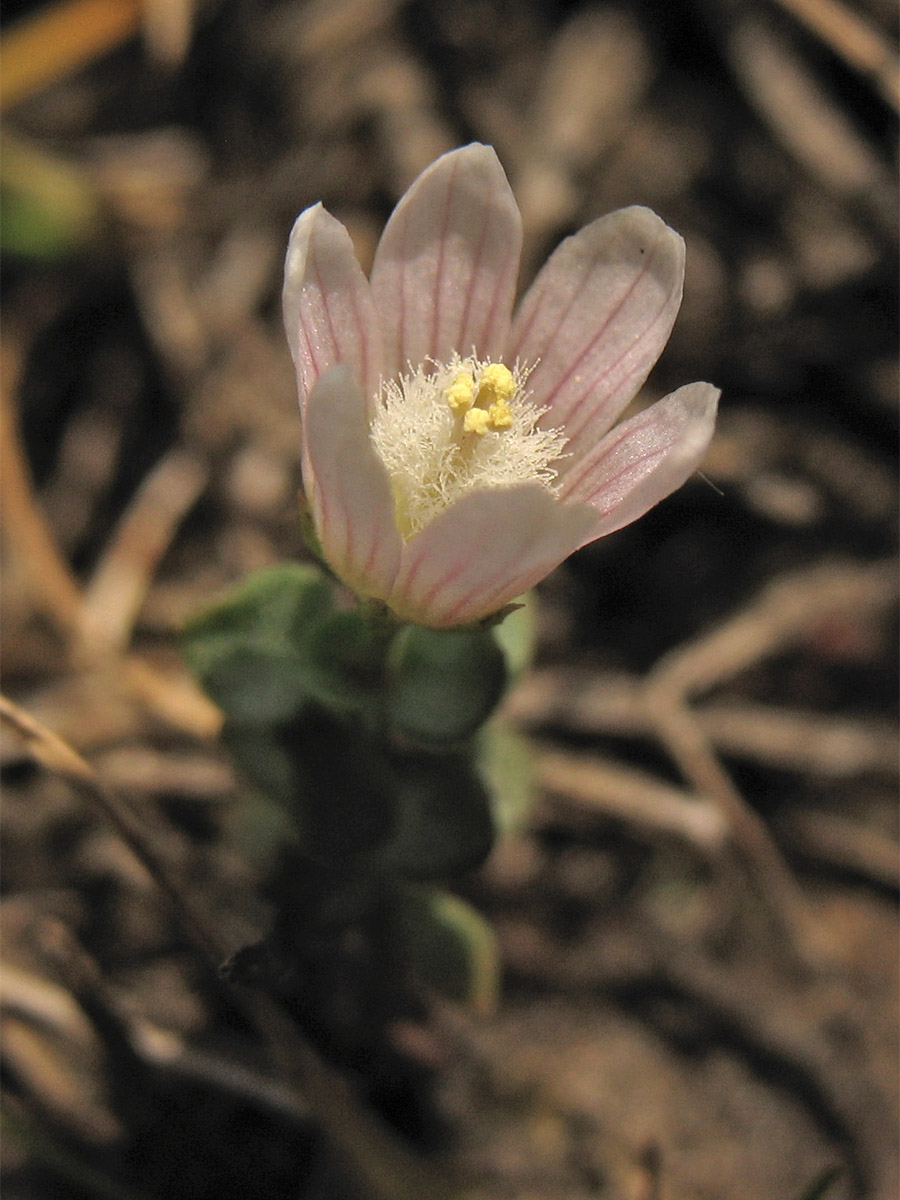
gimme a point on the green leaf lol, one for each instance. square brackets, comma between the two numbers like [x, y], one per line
[506, 763]
[335, 782]
[343, 662]
[443, 823]
[347, 804]
[516, 635]
[448, 946]
[247, 650]
[443, 684]
[265, 758]
[50, 205]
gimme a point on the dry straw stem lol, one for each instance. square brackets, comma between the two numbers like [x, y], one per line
[854, 40]
[99, 622]
[386, 1168]
[26, 533]
[580, 700]
[124, 575]
[622, 793]
[52, 43]
[806, 122]
[45, 47]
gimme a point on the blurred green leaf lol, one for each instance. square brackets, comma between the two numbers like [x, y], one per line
[264, 757]
[346, 805]
[443, 684]
[50, 205]
[516, 635]
[506, 763]
[247, 649]
[449, 946]
[343, 662]
[333, 780]
[443, 821]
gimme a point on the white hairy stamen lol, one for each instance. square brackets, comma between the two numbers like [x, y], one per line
[445, 430]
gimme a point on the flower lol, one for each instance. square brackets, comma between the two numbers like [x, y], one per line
[453, 453]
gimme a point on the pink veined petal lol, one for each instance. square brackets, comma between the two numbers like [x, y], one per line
[646, 458]
[349, 492]
[329, 316]
[596, 319]
[483, 551]
[445, 271]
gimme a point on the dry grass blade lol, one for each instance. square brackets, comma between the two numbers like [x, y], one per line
[852, 38]
[32, 546]
[122, 579]
[805, 120]
[622, 793]
[60, 39]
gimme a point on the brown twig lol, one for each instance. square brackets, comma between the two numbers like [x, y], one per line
[622, 793]
[123, 577]
[852, 38]
[804, 119]
[60, 759]
[585, 701]
[781, 614]
[27, 535]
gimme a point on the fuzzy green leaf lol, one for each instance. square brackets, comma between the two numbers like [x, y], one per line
[248, 650]
[449, 946]
[443, 684]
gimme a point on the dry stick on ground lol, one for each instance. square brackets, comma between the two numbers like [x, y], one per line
[386, 1168]
[587, 701]
[782, 613]
[625, 794]
[852, 38]
[124, 574]
[52, 587]
[807, 122]
[143, 534]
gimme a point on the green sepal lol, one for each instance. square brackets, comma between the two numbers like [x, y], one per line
[516, 634]
[442, 685]
[448, 946]
[308, 529]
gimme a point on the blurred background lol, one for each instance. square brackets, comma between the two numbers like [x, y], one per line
[698, 921]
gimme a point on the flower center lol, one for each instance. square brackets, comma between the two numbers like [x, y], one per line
[448, 429]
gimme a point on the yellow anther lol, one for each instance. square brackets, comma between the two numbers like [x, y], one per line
[500, 415]
[460, 395]
[477, 420]
[497, 382]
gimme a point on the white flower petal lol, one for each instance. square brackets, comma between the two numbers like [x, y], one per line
[329, 316]
[596, 319]
[445, 270]
[645, 459]
[348, 488]
[482, 552]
